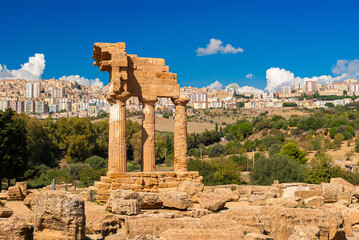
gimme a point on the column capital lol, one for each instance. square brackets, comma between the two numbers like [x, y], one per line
[123, 96]
[180, 101]
[148, 100]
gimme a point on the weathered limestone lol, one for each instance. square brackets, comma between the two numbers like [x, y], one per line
[283, 202]
[124, 202]
[148, 135]
[211, 201]
[201, 234]
[117, 159]
[15, 229]
[315, 201]
[150, 200]
[29, 201]
[18, 192]
[175, 199]
[59, 215]
[5, 212]
[180, 135]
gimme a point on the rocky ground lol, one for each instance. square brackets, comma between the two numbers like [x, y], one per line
[191, 211]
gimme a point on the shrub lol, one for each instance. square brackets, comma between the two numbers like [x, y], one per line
[217, 150]
[291, 150]
[96, 162]
[250, 145]
[276, 167]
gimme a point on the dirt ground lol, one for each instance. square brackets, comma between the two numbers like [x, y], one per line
[167, 125]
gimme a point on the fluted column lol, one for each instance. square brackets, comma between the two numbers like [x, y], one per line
[148, 163]
[180, 135]
[117, 158]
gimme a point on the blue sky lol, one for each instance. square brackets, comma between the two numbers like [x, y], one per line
[304, 37]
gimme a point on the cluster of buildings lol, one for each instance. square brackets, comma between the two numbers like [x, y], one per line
[291, 94]
[60, 98]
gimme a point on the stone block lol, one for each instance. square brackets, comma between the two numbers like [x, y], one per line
[175, 199]
[6, 212]
[315, 201]
[150, 200]
[125, 206]
[105, 179]
[59, 212]
[308, 193]
[102, 185]
[172, 184]
[211, 201]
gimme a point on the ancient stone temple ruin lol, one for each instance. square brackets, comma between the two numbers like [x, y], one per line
[148, 79]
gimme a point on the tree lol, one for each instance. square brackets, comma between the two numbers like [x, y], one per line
[217, 150]
[329, 105]
[250, 145]
[291, 150]
[320, 169]
[276, 167]
[13, 149]
[338, 139]
[40, 146]
[96, 162]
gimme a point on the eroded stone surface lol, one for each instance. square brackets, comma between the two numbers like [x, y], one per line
[175, 199]
[59, 213]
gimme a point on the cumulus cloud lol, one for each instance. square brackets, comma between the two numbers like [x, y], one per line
[245, 89]
[215, 85]
[32, 70]
[249, 76]
[215, 46]
[277, 78]
[349, 67]
[249, 89]
[83, 81]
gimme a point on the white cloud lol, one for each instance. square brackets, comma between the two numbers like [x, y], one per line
[215, 85]
[32, 70]
[237, 89]
[83, 81]
[214, 46]
[349, 67]
[249, 76]
[249, 89]
[277, 78]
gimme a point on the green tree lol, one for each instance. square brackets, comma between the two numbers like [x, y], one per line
[250, 145]
[217, 150]
[320, 169]
[96, 162]
[291, 150]
[40, 146]
[276, 167]
[329, 105]
[13, 146]
[338, 139]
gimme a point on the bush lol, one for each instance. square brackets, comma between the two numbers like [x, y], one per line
[250, 145]
[217, 150]
[292, 151]
[133, 166]
[276, 167]
[96, 162]
[320, 169]
[217, 171]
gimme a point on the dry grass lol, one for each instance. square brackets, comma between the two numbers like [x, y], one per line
[167, 125]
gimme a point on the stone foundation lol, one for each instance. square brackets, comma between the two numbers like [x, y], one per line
[142, 182]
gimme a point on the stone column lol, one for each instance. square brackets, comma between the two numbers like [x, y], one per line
[180, 135]
[148, 163]
[117, 158]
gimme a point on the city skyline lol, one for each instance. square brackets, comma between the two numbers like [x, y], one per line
[259, 44]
